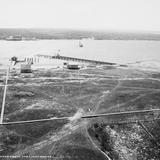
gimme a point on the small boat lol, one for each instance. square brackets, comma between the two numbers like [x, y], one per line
[80, 44]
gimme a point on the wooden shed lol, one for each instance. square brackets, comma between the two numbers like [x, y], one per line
[26, 68]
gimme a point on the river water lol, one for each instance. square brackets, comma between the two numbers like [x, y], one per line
[118, 51]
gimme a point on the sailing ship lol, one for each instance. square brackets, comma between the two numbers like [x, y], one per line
[80, 44]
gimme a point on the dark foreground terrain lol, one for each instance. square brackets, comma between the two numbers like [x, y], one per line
[66, 93]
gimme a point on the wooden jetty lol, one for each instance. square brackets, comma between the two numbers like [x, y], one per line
[65, 58]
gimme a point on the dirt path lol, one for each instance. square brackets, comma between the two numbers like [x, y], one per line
[102, 98]
[105, 96]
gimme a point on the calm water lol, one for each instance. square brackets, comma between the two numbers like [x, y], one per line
[105, 50]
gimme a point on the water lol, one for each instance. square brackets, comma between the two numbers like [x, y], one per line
[105, 50]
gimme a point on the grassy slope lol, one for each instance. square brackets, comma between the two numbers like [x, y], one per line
[64, 98]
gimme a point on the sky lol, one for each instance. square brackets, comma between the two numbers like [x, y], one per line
[119, 15]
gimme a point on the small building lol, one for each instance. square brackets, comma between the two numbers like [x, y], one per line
[14, 38]
[26, 68]
[73, 66]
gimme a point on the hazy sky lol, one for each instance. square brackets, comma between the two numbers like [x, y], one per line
[139, 15]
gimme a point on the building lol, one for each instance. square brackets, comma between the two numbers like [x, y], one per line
[73, 66]
[14, 38]
[26, 68]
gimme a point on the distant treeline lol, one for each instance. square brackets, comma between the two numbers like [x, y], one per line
[75, 34]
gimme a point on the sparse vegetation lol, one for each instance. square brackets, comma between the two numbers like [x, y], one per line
[39, 95]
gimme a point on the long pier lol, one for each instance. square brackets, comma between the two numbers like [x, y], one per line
[81, 60]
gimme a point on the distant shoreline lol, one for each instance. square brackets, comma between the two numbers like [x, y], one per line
[68, 34]
[82, 40]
